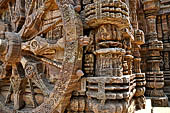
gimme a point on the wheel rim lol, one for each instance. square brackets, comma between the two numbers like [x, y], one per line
[71, 63]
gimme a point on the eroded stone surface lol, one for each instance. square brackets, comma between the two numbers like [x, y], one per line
[85, 56]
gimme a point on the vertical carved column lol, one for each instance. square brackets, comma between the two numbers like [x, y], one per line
[138, 40]
[166, 71]
[140, 77]
[163, 28]
[166, 52]
[154, 77]
[108, 61]
[89, 57]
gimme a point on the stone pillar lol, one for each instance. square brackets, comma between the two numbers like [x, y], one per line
[138, 40]
[154, 77]
[140, 79]
[111, 88]
[163, 27]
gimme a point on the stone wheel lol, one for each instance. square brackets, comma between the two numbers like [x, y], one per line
[22, 70]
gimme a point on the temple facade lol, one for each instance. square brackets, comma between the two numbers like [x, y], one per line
[84, 56]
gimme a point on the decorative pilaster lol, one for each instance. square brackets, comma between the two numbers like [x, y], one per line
[111, 87]
[138, 41]
[154, 77]
[140, 77]
[163, 27]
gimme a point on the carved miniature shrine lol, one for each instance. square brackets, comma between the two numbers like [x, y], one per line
[84, 56]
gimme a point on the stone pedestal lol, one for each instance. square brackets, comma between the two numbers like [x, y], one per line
[111, 94]
[155, 77]
[140, 90]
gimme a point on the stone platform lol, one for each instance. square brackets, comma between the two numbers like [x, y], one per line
[150, 109]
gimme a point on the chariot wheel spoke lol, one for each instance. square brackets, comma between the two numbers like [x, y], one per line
[41, 84]
[35, 74]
